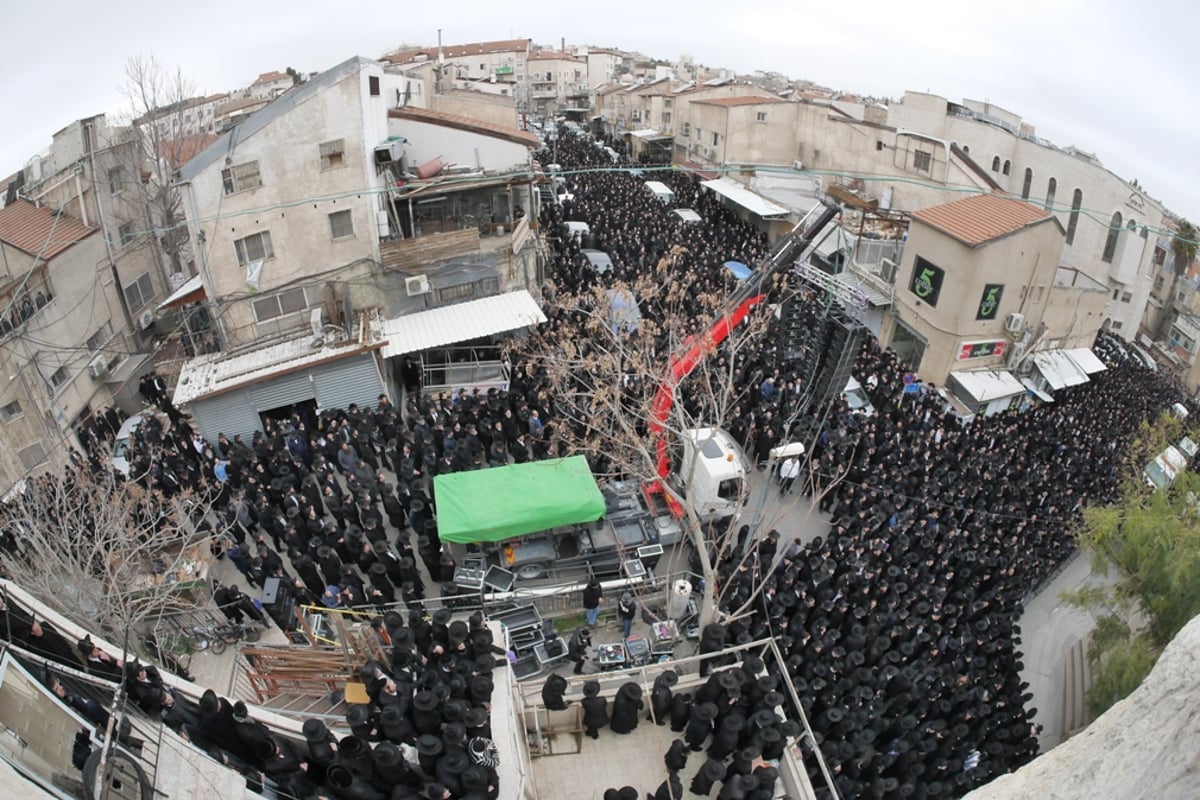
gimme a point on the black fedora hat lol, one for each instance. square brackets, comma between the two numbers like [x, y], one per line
[442, 616]
[454, 733]
[668, 678]
[591, 688]
[705, 712]
[455, 761]
[476, 717]
[429, 745]
[727, 680]
[425, 701]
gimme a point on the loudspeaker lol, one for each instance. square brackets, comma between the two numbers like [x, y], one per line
[271, 588]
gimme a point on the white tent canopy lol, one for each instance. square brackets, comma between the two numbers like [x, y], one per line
[1086, 360]
[1059, 370]
[461, 322]
[751, 201]
[985, 385]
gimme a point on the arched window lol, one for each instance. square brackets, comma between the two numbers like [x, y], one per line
[1073, 222]
[1051, 188]
[1110, 244]
[1028, 183]
[967, 149]
[1007, 167]
[995, 163]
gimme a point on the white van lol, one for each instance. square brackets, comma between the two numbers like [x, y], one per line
[857, 400]
[687, 216]
[576, 228]
[598, 259]
[660, 190]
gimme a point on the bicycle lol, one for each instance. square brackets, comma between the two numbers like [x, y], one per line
[217, 638]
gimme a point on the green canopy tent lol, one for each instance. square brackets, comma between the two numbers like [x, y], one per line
[491, 505]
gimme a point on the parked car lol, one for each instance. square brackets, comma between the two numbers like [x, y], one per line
[120, 457]
[598, 259]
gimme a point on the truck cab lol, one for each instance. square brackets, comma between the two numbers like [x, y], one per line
[713, 473]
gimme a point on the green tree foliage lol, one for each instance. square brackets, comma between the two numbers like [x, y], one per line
[1184, 246]
[1153, 540]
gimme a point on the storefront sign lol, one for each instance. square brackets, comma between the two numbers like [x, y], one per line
[926, 281]
[989, 301]
[981, 349]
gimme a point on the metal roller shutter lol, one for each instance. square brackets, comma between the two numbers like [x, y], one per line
[230, 413]
[282, 391]
[350, 380]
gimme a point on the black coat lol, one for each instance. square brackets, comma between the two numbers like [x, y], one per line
[595, 712]
[626, 706]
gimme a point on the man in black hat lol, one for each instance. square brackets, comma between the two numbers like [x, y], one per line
[578, 647]
[595, 710]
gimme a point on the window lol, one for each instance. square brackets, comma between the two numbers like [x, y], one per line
[59, 377]
[341, 224]
[1158, 283]
[373, 85]
[32, 455]
[698, 134]
[241, 177]
[816, 154]
[878, 145]
[116, 180]
[1127, 297]
[10, 412]
[99, 338]
[125, 232]
[484, 287]
[1116, 326]
[1116, 294]
[1028, 185]
[922, 160]
[1110, 243]
[666, 118]
[290, 301]
[140, 292]
[1051, 188]
[995, 163]
[1179, 297]
[1007, 168]
[1073, 221]
[761, 116]
[255, 247]
[1038, 293]
[332, 154]
[714, 140]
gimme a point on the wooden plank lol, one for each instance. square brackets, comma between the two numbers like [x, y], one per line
[415, 255]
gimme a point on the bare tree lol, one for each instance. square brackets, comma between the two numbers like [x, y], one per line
[104, 553]
[606, 364]
[163, 139]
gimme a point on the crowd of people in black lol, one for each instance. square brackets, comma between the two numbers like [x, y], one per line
[900, 627]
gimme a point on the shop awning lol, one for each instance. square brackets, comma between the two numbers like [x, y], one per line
[985, 385]
[1086, 360]
[461, 322]
[491, 505]
[752, 202]
[1058, 369]
[1035, 391]
[192, 291]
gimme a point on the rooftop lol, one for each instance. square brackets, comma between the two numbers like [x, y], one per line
[739, 101]
[457, 50]
[181, 150]
[548, 55]
[982, 218]
[271, 77]
[465, 124]
[38, 230]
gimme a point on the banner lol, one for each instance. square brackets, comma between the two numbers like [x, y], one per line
[926, 281]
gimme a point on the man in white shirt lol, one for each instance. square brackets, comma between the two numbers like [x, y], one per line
[788, 472]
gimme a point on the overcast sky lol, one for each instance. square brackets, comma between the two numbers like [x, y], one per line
[1116, 79]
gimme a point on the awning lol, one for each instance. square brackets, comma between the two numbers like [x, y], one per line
[491, 505]
[705, 173]
[754, 203]
[1058, 369]
[644, 133]
[739, 270]
[192, 291]
[1086, 360]
[1035, 391]
[461, 322]
[985, 385]
[858, 286]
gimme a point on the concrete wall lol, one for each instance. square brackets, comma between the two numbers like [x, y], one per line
[427, 141]
[1024, 263]
[295, 201]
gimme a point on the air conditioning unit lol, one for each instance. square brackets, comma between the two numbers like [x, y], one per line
[146, 320]
[887, 270]
[99, 367]
[1016, 352]
[316, 321]
[416, 285]
[388, 152]
[1014, 323]
[798, 164]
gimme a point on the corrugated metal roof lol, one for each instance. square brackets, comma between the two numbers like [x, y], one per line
[986, 385]
[1086, 360]
[39, 231]
[755, 203]
[462, 322]
[217, 373]
[982, 218]
[753, 100]
[1058, 369]
[485, 128]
